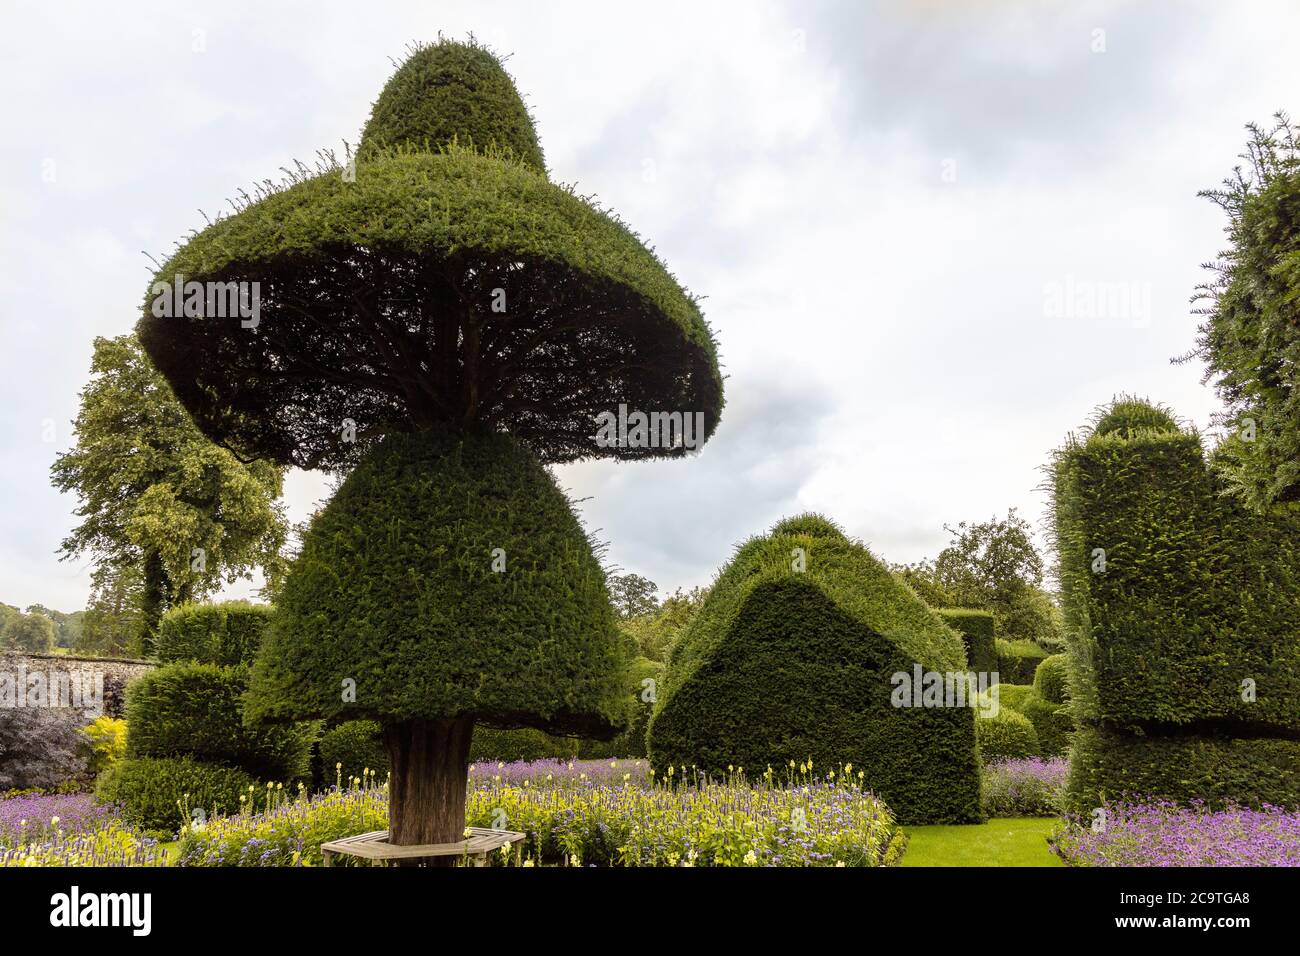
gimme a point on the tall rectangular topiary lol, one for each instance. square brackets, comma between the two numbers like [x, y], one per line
[1183, 615]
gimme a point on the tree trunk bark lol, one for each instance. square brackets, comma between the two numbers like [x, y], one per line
[153, 601]
[429, 763]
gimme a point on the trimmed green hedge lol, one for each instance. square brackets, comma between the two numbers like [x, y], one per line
[1018, 660]
[152, 790]
[1050, 680]
[1006, 736]
[793, 656]
[197, 710]
[225, 633]
[1252, 771]
[1197, 594]
[1012, 695]
[644, 678]
[976, 630]
[522, 744]
[357, 745]
[1183, 610]
[1053, 724]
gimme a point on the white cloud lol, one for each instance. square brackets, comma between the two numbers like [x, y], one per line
[890, 359]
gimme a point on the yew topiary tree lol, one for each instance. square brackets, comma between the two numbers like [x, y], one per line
[442, 319]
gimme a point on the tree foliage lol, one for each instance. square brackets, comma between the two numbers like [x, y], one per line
[34, 633]
[633, 595]
[1249, 336]
[994, 566]
[156, 495]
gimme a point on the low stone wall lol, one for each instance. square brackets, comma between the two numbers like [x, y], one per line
[115, 673]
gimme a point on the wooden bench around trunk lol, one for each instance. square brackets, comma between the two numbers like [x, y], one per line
[376, 848]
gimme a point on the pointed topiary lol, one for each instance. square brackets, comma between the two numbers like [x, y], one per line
[793, 657]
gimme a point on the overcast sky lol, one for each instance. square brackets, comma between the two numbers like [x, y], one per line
[897, 213]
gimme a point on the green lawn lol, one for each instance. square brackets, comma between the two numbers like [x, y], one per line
[1021, 841]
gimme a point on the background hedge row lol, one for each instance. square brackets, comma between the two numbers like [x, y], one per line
[976, 630]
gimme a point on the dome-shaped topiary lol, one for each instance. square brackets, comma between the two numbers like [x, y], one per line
[1006, 735]
[196, 710]
[1128, 416]
[452, 92]
[1050, 679]
[795, 655]
[440, 558]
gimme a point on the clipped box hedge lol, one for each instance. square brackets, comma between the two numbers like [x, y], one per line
[1183, 615]
[1250, 771]
[196, 710]
[1053, 723]
[1012, 695]
[1018, 660]
[1006, 735]
[225, 633]
[976, 630]
[348, 750]
[1050, 679]
[792, 656]
[152, 791]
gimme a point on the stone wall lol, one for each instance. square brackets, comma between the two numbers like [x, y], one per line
[115, 673]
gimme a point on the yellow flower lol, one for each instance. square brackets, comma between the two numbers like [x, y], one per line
[841, 863]
[848, 768]
[750, 858]
[529, 862]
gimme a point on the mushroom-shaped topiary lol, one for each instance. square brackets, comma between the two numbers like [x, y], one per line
[441, 316]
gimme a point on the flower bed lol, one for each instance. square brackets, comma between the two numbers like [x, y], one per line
[1165, 834]
[574, 817]
[36, 816]
[1031, 787]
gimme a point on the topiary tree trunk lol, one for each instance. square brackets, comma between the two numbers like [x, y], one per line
[429, 763]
